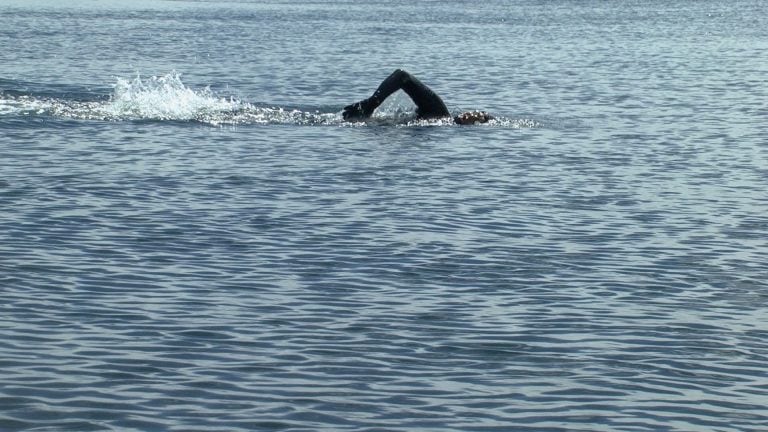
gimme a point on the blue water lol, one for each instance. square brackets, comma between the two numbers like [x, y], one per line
[191, 239]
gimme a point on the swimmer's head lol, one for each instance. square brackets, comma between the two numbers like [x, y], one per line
[472, 117]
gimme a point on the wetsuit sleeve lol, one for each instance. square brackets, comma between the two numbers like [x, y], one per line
[428, 103]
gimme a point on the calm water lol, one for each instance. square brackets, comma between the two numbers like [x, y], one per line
[192, 240]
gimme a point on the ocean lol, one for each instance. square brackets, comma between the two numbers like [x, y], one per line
[193, 239]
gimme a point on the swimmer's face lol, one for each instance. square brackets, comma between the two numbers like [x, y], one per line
[472, 117]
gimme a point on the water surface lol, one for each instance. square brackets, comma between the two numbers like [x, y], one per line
[192, 239]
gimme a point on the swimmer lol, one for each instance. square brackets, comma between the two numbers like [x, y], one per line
[428, 103]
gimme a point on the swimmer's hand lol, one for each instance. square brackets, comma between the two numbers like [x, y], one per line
[359, 110]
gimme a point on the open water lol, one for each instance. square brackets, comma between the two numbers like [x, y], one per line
[191, 239]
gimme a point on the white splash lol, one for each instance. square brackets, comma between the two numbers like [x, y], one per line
[164, 98]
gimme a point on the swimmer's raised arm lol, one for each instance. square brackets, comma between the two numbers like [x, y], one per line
[428, 103]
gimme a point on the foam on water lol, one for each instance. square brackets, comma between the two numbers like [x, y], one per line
[167, 98]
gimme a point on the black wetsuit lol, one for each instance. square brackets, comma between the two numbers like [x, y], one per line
[428, 103]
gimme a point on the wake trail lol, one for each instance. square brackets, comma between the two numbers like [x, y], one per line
[167, 98]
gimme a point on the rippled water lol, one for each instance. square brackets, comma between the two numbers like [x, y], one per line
[192, 240]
